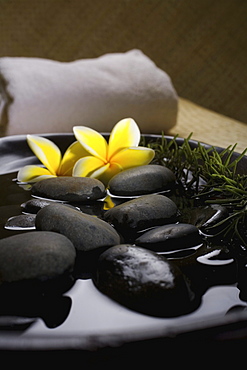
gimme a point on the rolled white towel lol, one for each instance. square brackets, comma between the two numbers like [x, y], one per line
[47, 96]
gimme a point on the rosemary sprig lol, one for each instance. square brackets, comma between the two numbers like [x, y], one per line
[208, 174]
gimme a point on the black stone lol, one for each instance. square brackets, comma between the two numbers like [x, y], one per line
[142, 180]
[35, 255]
[143, 281]
[142, 213]
[34, 205]
[70, 189]
[170, 237]
[21, 222]
[205, 217]
[85, 232]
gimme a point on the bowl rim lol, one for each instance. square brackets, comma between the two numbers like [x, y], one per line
[215, 326]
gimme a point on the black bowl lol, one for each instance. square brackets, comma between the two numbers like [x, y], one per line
[125, 332]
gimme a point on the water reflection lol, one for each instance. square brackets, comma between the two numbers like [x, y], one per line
[20, 311]
[20, 307]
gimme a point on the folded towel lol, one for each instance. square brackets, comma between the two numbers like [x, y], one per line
[45, 96]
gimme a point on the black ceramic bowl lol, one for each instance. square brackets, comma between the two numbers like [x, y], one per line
[95, 324]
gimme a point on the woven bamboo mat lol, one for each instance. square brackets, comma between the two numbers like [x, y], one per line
[208, 126]
[200, 44]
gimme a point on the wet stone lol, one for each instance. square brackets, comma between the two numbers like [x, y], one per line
[35, 255]
[205, 217]
[143, 281]
[34, 205]
[95, 208]
[21, 222]
[142, 213]
[70, 189]
[170, 237]
[86, 232]
[142, 180]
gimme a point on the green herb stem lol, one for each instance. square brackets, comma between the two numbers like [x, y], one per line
[208, 174]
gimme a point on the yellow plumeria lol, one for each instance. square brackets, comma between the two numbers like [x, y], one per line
[104, 160]
[50, 156]
[90, 155]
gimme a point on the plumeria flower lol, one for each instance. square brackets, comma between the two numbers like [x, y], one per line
[104, 160]
[50, 156]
